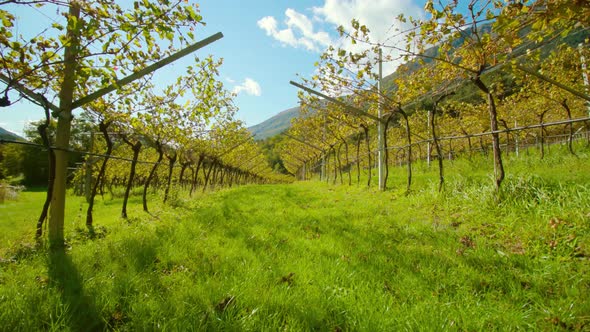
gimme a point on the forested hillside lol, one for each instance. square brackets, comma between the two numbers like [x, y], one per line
[5, 134]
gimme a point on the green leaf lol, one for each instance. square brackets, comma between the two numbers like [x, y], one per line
[72, 22]
[170, 35]
[6, 21]
[193, 15]
[489, 15]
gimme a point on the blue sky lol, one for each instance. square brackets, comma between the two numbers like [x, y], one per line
[266, 43]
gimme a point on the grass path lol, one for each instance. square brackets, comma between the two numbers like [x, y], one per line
[309, 256]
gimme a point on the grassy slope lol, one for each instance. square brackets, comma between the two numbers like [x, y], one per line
[313, 256]
[5, 134]
[275, 124]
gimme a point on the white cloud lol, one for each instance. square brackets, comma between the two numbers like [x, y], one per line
[298, 33]
[268, 24]
[379, 16]
[249, 86]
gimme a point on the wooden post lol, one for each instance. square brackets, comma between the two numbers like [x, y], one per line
[88, 175]
[381, 159]
[62, 137]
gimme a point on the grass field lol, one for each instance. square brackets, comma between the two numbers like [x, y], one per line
[312, 256]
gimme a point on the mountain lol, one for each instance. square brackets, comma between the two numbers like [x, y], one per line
[7, 135]
[275, 125]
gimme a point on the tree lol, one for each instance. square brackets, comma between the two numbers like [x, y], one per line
[269, 148]
[477, 49]
[126, 40]
[11, 160]
[562, 65]
[465, 49]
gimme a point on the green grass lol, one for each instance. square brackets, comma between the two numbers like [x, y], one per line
[312, 256]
